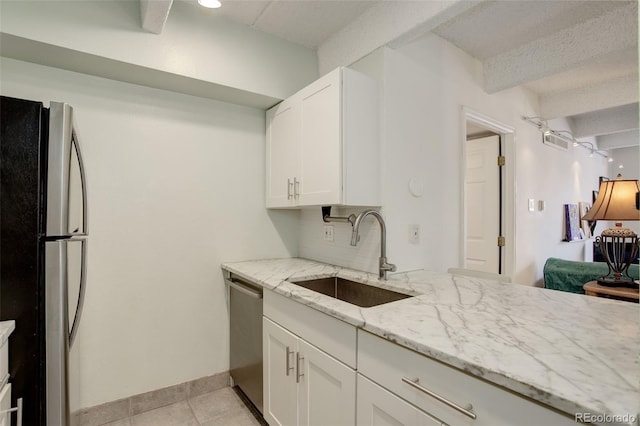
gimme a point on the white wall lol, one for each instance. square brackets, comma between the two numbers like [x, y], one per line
[175, 188]
[425, 85]
[195, 43]
[629, 159]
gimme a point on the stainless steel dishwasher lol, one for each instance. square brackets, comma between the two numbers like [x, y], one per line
[245, 312]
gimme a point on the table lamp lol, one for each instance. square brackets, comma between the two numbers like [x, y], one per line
[617, 201]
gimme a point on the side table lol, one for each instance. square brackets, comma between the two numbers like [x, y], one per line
[592, 288]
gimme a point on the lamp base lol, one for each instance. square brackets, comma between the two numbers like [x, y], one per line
[611, 282]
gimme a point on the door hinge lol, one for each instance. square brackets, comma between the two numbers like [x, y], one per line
[501, 241]
[501, 161]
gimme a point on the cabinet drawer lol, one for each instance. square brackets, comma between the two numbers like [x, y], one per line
[335, 337]
[387, 364]
[378, 406]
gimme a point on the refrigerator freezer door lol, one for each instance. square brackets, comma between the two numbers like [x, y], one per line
[64, 294]
[66, 184]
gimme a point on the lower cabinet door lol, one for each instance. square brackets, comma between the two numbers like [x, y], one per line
[280, 389]
[377, 406]
[5, 404]
[327, 389]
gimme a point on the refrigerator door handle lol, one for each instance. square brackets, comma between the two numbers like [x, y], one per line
[81, 291]
[83, 183]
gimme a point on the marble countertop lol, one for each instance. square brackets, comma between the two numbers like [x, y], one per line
[6, 328]
[576, 353]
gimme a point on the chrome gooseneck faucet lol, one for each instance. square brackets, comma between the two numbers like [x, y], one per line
[382, 262]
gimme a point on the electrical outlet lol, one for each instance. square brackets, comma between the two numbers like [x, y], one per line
[414, 234]
[328, 233]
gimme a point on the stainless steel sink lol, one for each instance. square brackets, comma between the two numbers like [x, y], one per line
[359, 294]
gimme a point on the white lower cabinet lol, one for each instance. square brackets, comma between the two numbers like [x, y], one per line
[327, 392]
[5, 405]
[302, 384]
[280, 387]
[445, 393]
[310, 378]
[5, 391]
[379, 407]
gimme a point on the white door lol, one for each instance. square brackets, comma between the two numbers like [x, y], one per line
[282, 153]
[482, 204]
[279, 375]
[379, 407]
[321, 143]
[327, 389]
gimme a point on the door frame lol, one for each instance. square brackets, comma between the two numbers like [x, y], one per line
[508, 139]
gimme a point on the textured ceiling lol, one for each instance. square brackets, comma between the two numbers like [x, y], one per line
[579, 57]
[304, 22]
[498, 26]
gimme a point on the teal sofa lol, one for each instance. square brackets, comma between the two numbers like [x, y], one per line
[569, 275]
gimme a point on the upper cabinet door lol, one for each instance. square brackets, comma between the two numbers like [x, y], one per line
[321, 143]
[282, 153]
[330, 131]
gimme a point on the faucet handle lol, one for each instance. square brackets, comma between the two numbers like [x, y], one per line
[386, 266]
[389, 267]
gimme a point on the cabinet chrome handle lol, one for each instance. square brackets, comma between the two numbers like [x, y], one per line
[289, 368]
[289, 186]
[296, 188]
[467, 411]
[298, 373]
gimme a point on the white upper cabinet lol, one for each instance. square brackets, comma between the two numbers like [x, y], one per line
[282, 153]
[323, 144]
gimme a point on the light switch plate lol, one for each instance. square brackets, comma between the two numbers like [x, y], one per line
[532, 204]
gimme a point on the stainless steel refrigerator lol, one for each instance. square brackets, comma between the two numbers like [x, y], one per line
[43, 252]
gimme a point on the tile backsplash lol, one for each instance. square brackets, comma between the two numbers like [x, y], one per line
[363, 257]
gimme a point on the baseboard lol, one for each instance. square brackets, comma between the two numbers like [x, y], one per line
[136, 404]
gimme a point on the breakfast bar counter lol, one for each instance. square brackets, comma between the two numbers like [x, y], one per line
[575, 353]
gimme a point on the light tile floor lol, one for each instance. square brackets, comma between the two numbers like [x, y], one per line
[222, 407]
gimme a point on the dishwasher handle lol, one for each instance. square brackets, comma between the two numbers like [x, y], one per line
[244, 288]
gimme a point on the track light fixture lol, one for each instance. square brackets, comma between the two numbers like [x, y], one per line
[544, 128]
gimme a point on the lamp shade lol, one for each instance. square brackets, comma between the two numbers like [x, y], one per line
[616, 201]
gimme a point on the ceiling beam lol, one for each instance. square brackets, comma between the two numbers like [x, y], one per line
[589, 41]
[619, 140]
[611, 120]
[154, 13]
[609, 94]
[387, 23]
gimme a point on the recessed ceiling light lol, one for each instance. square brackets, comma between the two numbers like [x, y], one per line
[211, 4]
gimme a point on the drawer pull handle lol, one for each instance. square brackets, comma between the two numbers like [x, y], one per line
[289, 368]
[467, 411]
